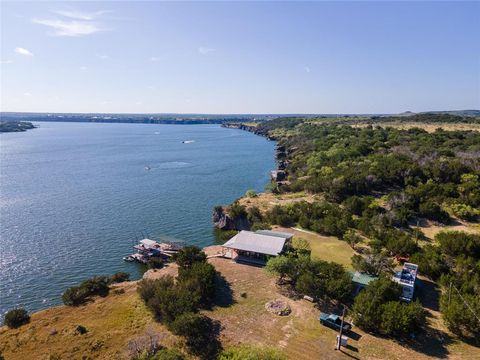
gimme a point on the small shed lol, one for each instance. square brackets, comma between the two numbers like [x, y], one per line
[253, 247]
[361, 280]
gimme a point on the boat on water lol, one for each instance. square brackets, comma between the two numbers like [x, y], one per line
[147, 167]
[188, 141]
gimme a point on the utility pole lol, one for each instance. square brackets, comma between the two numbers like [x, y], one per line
[339, 340]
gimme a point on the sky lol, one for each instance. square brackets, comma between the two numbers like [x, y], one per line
[239, 57]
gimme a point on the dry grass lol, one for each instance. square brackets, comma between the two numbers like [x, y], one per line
[328, 248]
[110, 321]
[113, 320]
[431, 229]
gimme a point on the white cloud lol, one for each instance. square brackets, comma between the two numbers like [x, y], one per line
[103, 56]
[83, 68]
[205, 50]
[27, 94]
[307, 69]
[69, 27]
[154, 58]
[79, 15]
[6, 61]
[138, 103]
[23, 51]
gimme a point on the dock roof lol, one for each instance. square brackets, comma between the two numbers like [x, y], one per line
[148, 243]
[258, 243]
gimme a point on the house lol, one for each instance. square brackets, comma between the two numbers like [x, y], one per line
[361, 280]
[256, 247]
[406, 278]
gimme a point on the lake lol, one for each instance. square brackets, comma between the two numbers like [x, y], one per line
[76, 196]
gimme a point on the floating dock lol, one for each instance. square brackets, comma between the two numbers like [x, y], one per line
[148, 248]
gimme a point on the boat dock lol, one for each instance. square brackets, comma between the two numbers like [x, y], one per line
[148, 248]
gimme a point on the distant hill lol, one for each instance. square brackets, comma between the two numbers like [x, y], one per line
[457, 112]
[172, 118]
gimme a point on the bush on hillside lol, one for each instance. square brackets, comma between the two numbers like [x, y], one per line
[77, 295]
[16, 318]
[119, 277]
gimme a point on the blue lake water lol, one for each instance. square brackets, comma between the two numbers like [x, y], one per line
[74, 196]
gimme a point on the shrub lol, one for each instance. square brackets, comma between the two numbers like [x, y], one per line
[456, 243]
[168, 354]
[98, 285]
[282, 266]
[167, 304]
[119, 277]
[301, 246]
[75, 296]
[250, 352]
[251, 193]
[237, 211]
[16, 318]
[401, 320]
[463, 211]
[155, 263]
[199, 332]
[433, 211]
[352, 238]
[199, 279]
[81, 330]
[146, 288]
[430, 262]
[189, 255]
[254, 215]
[373, 264]
[457, 317]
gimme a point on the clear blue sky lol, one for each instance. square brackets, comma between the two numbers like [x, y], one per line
[251, 57]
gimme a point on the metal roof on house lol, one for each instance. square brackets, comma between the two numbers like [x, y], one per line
[284, 235]
[258, 243]
[362, 278]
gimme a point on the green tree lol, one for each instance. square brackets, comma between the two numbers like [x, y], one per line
[352, 238]
[367, 309]
[199, 332]
[401, 320]
[199, 279]
[282, 266]
[458, 316]
[189, 255]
